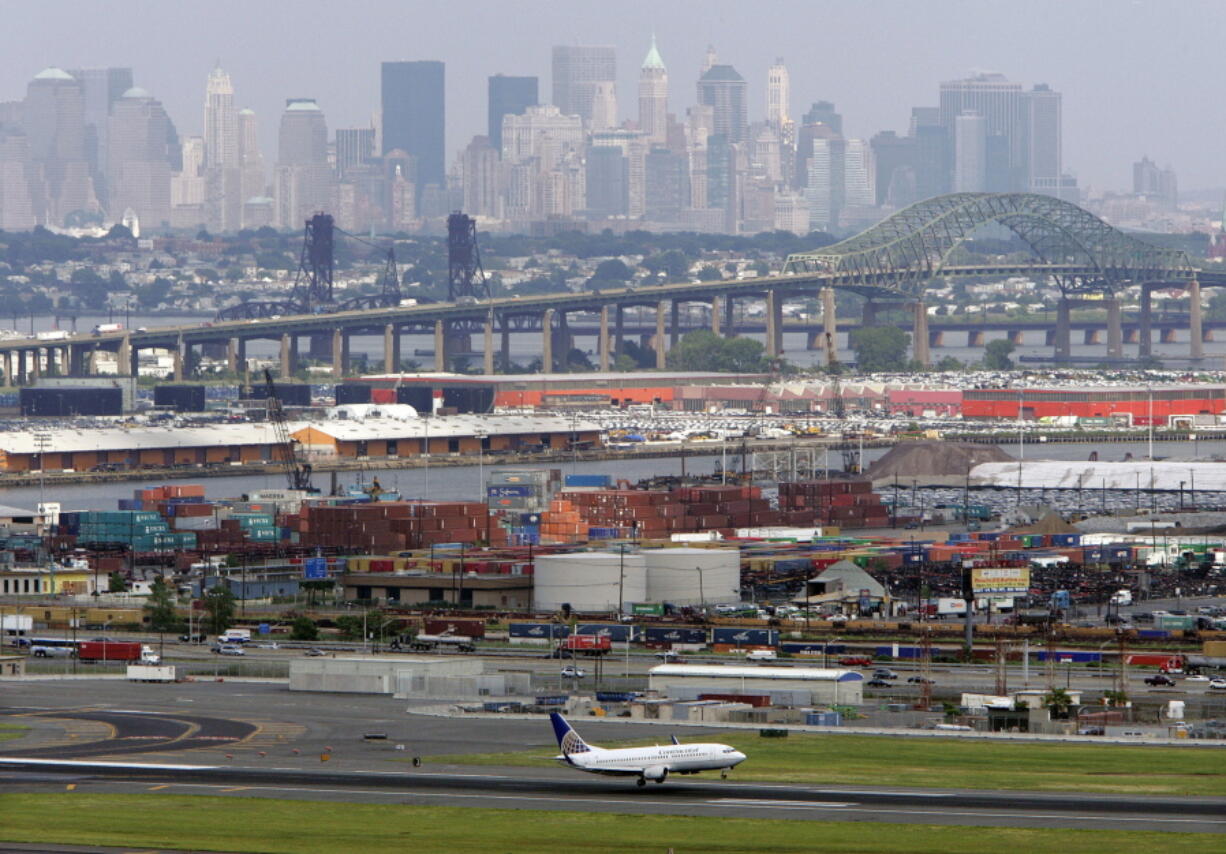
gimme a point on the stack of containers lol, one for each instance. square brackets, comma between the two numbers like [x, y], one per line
[394, 526]
[139, 530]
[846, 503]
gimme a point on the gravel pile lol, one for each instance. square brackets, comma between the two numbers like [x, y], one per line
[920, 459]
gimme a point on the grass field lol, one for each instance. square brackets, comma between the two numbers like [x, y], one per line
[256, 825]
[948, 763]
[9, 731]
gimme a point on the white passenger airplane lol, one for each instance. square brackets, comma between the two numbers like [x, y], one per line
[646, 763]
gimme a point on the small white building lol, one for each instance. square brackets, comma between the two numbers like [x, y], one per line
[825, 687]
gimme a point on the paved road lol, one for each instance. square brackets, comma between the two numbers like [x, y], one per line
[540, 790]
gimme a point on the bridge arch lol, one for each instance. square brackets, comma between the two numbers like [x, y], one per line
[902, 252]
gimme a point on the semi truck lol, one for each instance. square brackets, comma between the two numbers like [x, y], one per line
[425, 643]
[586, 645]
[131, 651]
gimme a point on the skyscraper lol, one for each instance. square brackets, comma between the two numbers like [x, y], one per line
[139, 160]
[999, 102]
[970, 153]
[222, 169]
[250, 161]
[479, 164]
[604, 107]
[892, 156]
[723, 89]
[16, 196]
[653, 97]
[100, 89]
[858, 174]
[414, 117]
[778, 95]
[509, 96]
[354, 147]
[608, 182]
[577, 69]
[54, 119]
[1044, 138]
[303, 173]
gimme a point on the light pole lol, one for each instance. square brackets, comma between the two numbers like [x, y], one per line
[480, 437]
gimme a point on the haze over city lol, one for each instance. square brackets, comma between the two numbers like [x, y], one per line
[1130, 73]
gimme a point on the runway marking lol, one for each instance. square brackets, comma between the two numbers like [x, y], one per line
[753, 802]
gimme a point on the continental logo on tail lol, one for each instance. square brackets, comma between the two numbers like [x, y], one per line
[572, 743]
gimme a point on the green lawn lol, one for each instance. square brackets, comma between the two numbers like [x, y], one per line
[10, 731]
[272, 827]
[947, 763]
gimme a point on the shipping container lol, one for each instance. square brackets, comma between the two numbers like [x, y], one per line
[745, 637]
[675, 634]
[538, 631]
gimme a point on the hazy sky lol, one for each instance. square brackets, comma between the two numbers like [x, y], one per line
[1137, 77]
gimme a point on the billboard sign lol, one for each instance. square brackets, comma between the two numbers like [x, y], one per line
[1000, 580]
[315, 568]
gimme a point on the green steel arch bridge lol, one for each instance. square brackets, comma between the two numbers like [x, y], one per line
[895, 260]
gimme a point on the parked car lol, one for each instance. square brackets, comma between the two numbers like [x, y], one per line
[1160, 679]
[572, 672]
[228, 649]
[1217, 684]
[884, 673]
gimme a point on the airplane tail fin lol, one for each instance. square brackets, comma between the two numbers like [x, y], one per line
[676, 740]
[568, 740]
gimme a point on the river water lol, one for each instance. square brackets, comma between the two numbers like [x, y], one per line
[464, 482]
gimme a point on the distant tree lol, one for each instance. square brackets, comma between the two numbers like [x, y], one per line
[614, 269]
[577, 360]
[879, 348]
[642, 357]
[709, 273]
[703, 350]
[318, 585]
[304, 629]
[204, 236]
[1058, 702]
[996, 355]
[948, 364]
[161, 607]
[673, 264]
[219, 608]
[116, 583]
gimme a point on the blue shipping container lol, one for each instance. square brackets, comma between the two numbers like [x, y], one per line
[539, 630]
[598, 481]
[675, 634]
[803, 648]
[1072, 656]
[619, 633]
[746, 637]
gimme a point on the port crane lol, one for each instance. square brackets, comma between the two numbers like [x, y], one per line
[297, 472]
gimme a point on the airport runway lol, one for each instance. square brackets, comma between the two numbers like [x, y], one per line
[538, 790]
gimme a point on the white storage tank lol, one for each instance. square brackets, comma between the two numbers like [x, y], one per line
[589, 581]
[693, 576]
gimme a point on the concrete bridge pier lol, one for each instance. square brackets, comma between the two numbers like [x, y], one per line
[868, 315]
[6, 366]
[674, 323]
[487, 345]
[391, 348]
[289, 356]
[236, 355]
[505, 330]
[1090, 336]
[547, 341]
[619, 322]
[1166, 336]
[340, 353]
[78, 361]
[658, 342]
[1063, 343]
[1195, 326]
[440, 345]
[830, 326]
[563, 342]
[729, 316]
[717, 305]
[974, 338]
[124, 358]
[1145, 340]
[815, 341]
[1115, 334]
[774, 324]
[180, 356]
[919, 332]
[602, 342]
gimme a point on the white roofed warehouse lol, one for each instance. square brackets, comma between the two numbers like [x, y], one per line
[824, 686]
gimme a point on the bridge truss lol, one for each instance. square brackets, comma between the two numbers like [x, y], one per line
[898, 256]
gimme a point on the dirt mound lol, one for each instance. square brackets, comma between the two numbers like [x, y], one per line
[921, 459]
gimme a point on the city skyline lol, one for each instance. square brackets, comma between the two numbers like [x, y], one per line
[874, 87]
